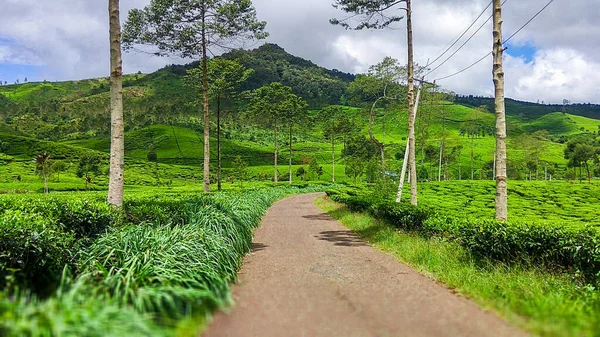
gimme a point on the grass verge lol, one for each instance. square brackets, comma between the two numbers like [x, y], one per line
[544, 303]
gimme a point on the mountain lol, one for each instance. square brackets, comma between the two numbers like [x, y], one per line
[80, 109]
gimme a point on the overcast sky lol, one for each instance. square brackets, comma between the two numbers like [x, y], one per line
[556, 57]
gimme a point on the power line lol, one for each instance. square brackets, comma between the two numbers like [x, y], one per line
[456, 39]
[464, 44]
[465, 69]
[528, 22]
[505, 41]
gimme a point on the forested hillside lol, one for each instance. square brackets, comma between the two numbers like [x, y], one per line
[79, 109]
[70, 120]
[531, 110]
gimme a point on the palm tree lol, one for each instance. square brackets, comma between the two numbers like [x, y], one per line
[42, 168]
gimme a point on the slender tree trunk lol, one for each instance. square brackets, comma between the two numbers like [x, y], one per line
[371, 135]
[406, 154]
[275, 153]
[472, 158]
[291, 154]
[206, 180]
[498, 75]
[219, 143]
[442, 145]
[45, 184]
[333, 155]
[587, 168]
[117, 139]
[411, 103]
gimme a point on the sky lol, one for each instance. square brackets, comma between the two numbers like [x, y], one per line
[555, 57]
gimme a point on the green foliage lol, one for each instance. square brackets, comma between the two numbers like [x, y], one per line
[176, 27]
[370, 14]
[58, 167]
[543, 302]
[88, 166]
[152, 156]
[555, 246]
[172, 259]
[240, 169]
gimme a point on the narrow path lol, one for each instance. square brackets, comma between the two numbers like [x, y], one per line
[310, 276]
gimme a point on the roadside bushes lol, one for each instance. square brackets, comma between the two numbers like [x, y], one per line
[39, 237]
[555, 246]
[33, 253]
[165, 268]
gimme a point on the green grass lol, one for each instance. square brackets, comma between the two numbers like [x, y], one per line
[541, 302]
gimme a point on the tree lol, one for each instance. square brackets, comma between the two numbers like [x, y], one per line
[334, 122]
[58, 167]
[295, 114]
[534, 145]
[498, 77]
[382, 85]
[42, 168]
[268, 106]
[88, 167]
[355, 168]
[240, 170]
[225, 79]
[301, 173]
[474, 127]
[313, 167]
[117, 135]
[379, 14]
[190, 29]
[580, 152]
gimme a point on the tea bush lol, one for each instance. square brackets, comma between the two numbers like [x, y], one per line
[171, 260]
[554, 245]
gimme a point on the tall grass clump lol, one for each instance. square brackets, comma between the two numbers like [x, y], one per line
[166, 266]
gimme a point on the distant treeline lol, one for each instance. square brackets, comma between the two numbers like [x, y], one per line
[531, 110]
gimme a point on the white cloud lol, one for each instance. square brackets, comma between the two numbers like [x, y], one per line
[70, 37]
[553, 74]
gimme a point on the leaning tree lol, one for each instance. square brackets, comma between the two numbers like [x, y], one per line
[380, 14]
[193, 29]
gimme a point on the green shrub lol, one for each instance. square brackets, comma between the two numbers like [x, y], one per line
[556, 246]
[172, 260]
[33, 251]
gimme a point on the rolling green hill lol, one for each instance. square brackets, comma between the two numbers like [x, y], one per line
[69, 119]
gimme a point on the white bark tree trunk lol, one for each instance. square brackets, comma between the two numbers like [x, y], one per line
[411, 103]
[275, 153]
[117, 140]
[206, 180]
[291, 154]
[498, 75]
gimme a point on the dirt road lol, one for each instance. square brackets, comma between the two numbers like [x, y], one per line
[310, 276]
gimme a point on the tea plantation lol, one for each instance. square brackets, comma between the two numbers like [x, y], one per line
[70, 266]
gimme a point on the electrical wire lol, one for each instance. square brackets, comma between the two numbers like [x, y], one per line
[464, 44]
[451, 44]
[505, 41]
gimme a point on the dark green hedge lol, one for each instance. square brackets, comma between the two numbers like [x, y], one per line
[555, 246]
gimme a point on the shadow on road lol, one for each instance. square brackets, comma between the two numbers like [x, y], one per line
[257, 247]
[321, 217]
[341, 238]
